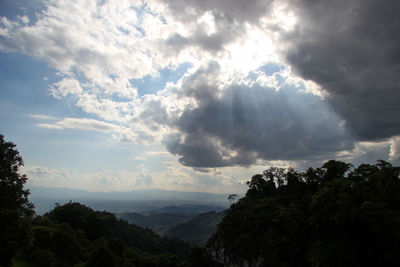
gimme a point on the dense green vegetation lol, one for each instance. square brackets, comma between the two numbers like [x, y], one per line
[336, 215]
[14, 203]
[75, 234]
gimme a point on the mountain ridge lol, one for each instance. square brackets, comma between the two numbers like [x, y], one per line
[142, 201]
[126, 195]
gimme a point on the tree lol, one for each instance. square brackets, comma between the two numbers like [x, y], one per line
[14, 203]
[232, 198]
[335, 215]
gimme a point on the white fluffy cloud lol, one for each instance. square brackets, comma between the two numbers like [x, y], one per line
[66, 87]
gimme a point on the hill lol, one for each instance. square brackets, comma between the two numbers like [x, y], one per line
[198, 229]
[192, 223]
[158, 222]
[76, 235]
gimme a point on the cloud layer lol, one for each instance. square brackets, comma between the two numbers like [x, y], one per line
[351, 49]
[269, 80]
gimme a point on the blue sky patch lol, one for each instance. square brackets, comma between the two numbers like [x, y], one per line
[151, 85]
[270, 68]
[13, 8]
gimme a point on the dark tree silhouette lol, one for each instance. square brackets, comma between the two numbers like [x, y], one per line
[336, 215]
[14, 203]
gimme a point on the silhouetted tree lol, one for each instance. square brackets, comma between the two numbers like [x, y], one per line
[14, 203]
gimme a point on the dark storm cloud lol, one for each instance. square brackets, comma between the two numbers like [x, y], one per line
[231, 10]
[246, 123]
[229, 17]
[197, 150]
[352, 49]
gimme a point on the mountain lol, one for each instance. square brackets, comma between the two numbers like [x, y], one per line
[190, 216]
[76, 235]
[135, 195]
[163, 219]
[141, 201]
[186, 209]
[197, 229]
[158, 222]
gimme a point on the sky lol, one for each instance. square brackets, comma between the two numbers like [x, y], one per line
[196, 95]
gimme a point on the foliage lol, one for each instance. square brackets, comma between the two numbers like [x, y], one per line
[63, 237]
[14, 203]
[336, 215]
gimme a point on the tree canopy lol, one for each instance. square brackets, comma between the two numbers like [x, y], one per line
[336, 215]
[14, 203]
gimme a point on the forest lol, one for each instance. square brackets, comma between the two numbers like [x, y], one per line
[335, 215]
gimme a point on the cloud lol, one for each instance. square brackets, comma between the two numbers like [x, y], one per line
[81, 124]
[144, 180]
[235, 11]
[97, 48]
[269, 81]
[139, 158]
[175, 177]
[212, 25]
[158, 153]
[106, 180]
[394, 154]
[243, 123]
[351, 49]
[66, 87]
[211, 42]
[105, 108]
[42, 117]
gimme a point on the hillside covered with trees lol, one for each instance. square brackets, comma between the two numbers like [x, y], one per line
[197, 229]
[336, 215]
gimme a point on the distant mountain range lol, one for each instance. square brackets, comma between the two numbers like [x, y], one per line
[190, 216]
[141, 201]
[186, 209]
[149, 194]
